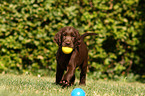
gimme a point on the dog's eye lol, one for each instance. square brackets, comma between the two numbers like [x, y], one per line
[64, 34]
[72, 35]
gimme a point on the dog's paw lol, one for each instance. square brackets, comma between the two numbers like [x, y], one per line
[64, 83]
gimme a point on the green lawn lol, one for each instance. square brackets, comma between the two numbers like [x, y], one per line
[23, 85]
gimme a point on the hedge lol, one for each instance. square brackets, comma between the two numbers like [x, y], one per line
[27, 29]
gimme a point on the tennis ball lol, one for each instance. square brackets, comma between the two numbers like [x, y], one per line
[67, 50]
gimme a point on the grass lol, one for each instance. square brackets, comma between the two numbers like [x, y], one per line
[27, 85]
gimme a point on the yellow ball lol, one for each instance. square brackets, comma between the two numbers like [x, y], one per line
[67, 50]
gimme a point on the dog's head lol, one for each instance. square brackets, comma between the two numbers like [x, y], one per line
[67, 37]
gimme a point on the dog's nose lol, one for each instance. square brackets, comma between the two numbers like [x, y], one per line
[68, 43]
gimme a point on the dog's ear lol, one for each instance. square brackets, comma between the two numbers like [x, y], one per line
[77, 38]
[58, 38]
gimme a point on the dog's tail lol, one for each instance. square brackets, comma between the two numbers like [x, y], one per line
[86, 34]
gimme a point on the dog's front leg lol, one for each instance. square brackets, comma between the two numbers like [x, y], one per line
[66, 80]
[59, 74]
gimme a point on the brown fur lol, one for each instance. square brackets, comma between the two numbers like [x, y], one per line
[70, 37]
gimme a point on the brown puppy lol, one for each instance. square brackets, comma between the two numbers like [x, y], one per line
[70, 37]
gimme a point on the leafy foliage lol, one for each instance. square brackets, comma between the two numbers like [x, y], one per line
[27, 28]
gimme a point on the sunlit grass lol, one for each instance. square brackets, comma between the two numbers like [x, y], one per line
[23, 85]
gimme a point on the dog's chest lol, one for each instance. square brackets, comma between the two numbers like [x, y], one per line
[63, 60]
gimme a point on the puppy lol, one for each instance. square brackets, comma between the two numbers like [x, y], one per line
[70, 37]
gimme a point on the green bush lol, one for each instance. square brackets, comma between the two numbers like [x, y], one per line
[27, 29]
